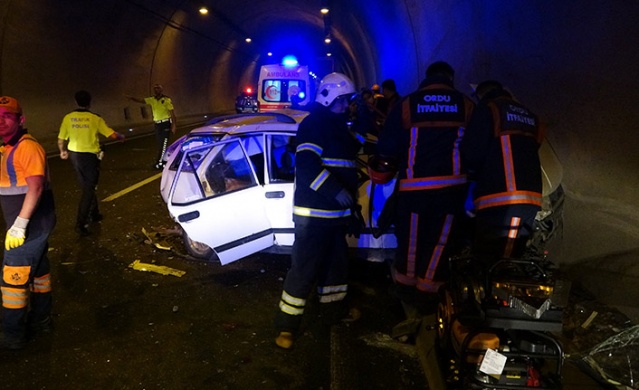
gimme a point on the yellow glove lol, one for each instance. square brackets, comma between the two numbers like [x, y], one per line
[16, 235]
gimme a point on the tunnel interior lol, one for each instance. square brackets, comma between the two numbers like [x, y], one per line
[574, 63]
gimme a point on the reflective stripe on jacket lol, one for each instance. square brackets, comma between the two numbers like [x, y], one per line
[502, 153]
[324, 165]
[31, 161]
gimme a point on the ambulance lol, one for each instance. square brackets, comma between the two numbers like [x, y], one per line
[283, 85]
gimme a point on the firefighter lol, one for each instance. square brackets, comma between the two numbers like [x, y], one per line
[422, 133]
[325, 193]
[28, 209]
[501, 153]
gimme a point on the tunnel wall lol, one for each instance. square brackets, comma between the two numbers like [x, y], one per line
[573, 62]
[114, 48]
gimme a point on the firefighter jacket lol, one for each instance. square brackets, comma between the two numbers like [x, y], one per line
[324, 165]
[501, 151]
[423, 133]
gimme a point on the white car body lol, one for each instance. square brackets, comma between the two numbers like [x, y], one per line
[239, 198]
[252, 210]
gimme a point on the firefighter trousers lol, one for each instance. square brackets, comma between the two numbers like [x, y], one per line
[504, 231]
[320, 257]
[426, 238]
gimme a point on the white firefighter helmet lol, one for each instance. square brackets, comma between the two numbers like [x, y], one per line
[332, 86]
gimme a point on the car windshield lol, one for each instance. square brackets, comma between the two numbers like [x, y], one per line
[189, 144]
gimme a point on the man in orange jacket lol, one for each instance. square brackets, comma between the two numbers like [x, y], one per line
[29, 211]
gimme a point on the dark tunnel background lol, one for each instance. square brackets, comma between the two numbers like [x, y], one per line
[574, 62]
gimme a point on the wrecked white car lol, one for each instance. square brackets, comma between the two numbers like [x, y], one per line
[229, 185]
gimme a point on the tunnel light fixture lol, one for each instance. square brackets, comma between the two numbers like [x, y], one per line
[204, 10]
[324, 8]
[248, 40]
[270, 54]
[327, 40]
[329, 54]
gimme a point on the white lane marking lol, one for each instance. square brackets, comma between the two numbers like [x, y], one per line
[131, 188]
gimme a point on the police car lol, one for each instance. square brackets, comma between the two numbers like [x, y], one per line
[246, 102]
[229, 185]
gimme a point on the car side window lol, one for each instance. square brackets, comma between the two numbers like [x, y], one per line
[187, 187]
[210, 171]
[282, 158]
[228, 169]
[254, 146]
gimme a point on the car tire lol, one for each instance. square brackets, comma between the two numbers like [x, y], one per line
[197, 249]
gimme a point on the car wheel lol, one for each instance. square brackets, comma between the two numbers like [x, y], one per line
[197, 249]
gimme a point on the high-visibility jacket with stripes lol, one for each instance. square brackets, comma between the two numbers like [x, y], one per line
[325, 163]
[21, 158]
[433, 122]
[502, 151]
[18, 163]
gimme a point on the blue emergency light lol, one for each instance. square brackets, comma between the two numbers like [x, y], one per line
[289, 61]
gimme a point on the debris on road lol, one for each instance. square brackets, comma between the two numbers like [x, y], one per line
[152, 240]
[161, 269]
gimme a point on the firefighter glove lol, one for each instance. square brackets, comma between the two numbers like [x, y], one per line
[16, 235]
[357, 223]
[344, 198]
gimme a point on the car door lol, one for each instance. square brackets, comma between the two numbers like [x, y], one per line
[279, 187]
[218, 201]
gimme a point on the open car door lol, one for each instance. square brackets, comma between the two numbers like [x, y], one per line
[216, 198]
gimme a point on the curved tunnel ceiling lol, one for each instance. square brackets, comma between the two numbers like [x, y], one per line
[574, 62]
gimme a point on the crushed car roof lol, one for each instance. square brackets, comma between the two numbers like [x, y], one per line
[248, 123]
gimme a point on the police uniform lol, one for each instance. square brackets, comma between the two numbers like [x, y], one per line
[423, 133]
[161, 108]
[501, 151]
[325, 164]
[26, 279]
[81, 128]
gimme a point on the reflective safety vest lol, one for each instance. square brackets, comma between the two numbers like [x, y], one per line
[18, 164]
[512, 174]
[161, 107]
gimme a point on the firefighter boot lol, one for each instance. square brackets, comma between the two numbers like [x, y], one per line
[13, 343]
[285, 340]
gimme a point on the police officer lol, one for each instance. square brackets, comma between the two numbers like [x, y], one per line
[422, 133]
[325, 190]
[501, 152]
[28, 208]
[78, 141]
[164, 118]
